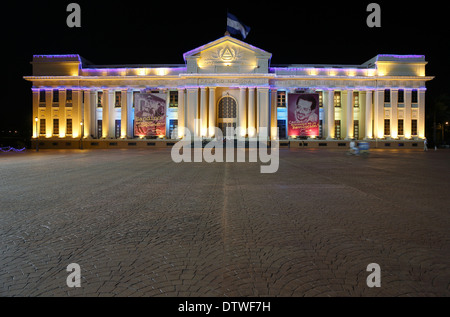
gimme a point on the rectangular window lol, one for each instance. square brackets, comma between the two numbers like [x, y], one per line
[118, 102]
[414, 127]
[99, 129]
[55, 95]
[414, 96]
[56, 126]
[356, 99]
[356, 129]
[400, 127]
[281, 99]
[173, 102]
[173, 124]
[337, 129]
[320, 98]
[117, 128]
[42, 127]
[42, 95]
[69, 95]
[281, 124]
[401, 96]
[387, 95]
[387, 126]
[320, 129]
[99, 99]
[337, 98]
[68, 126]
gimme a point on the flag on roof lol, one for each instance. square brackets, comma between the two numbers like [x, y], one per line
[234, 26]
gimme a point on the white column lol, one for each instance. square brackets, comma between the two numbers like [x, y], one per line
[105, 114]
[394, 115]
[203, 113]
[35, 130]
[87, 114]
[242, 113]
[181, 113]
[263, 109]
[421, 114]
[378, 114]
[123, 113]
[62, 114]
[407, 115]
[251, 112]
[93, 106]
[212, 112]
[329, 114]
[77, 113]
[130, 116]
[48, 113]
[368, 118]
[349, 115]
[191, 110]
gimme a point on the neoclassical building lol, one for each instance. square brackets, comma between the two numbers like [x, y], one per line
[227, 83]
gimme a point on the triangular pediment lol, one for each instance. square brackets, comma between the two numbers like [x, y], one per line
[227, 55]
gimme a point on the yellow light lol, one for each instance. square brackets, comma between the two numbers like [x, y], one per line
[313, 72]
[371, 72]
[332, 73]
[36, 119]
[161, 71]
[351, 73]
[62, 135]
[142, 72]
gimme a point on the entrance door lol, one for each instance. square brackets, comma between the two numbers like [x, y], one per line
[226, 113]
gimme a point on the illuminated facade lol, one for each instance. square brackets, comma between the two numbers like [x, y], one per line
[228, 83]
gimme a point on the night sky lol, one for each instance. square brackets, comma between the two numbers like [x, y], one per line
[150, 32]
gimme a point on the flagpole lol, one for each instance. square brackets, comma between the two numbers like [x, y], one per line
[226, 23]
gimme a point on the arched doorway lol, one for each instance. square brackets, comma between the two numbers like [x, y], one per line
[227, 113]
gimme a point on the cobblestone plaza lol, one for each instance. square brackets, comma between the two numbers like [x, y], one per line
[139, 224]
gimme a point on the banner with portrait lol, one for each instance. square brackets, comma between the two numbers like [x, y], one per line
[150, 114]
[303, 114]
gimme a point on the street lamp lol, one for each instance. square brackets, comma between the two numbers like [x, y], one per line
[82, 134]
[37, 134]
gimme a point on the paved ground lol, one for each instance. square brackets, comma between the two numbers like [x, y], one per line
[140, 225]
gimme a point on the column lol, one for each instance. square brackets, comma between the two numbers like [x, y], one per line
[362, 114]
[273, 115]
[394, 115]
[329, 114]
[108, 114]
[251, 112]
[212, 112]
[130, 115]
[35, 99]
[87, 114]
[48, 113]
[62, 114]
[421, 114]
[407, 115]
[378, 114]
[123, 113]
[349, 115]
[191, 110]
[181, 113]
[263, 109]
[93, 110]
[242, 113]
[203, 113]
[77, 113]
[368, 117]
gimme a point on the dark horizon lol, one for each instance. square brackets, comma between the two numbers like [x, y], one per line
[134, 32]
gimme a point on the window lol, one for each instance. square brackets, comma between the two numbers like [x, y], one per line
[55, 126]
[99, 129]
[117, 128]
[387, 95]
[356, 129]
[118, 102]
[400, 127]
[42, 126]
[414, 127]
[337, 129]
[320, 129]
[55, 95]
[414, 96]
[337, 98]
[401, 96]
[281, 124]
[99, 99]
[173, 124]
[173, 99]
[69, 126]
[320, 98]
[69, 95]
[355, 99]
[281, 99]
[387, 126]
[227, 108]
[42, 95]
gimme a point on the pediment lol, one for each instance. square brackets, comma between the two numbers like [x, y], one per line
[227, 55]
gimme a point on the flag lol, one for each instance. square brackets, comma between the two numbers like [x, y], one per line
[234, 26]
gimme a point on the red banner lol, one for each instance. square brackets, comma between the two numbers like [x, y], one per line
[150, 114]
[303, 115]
